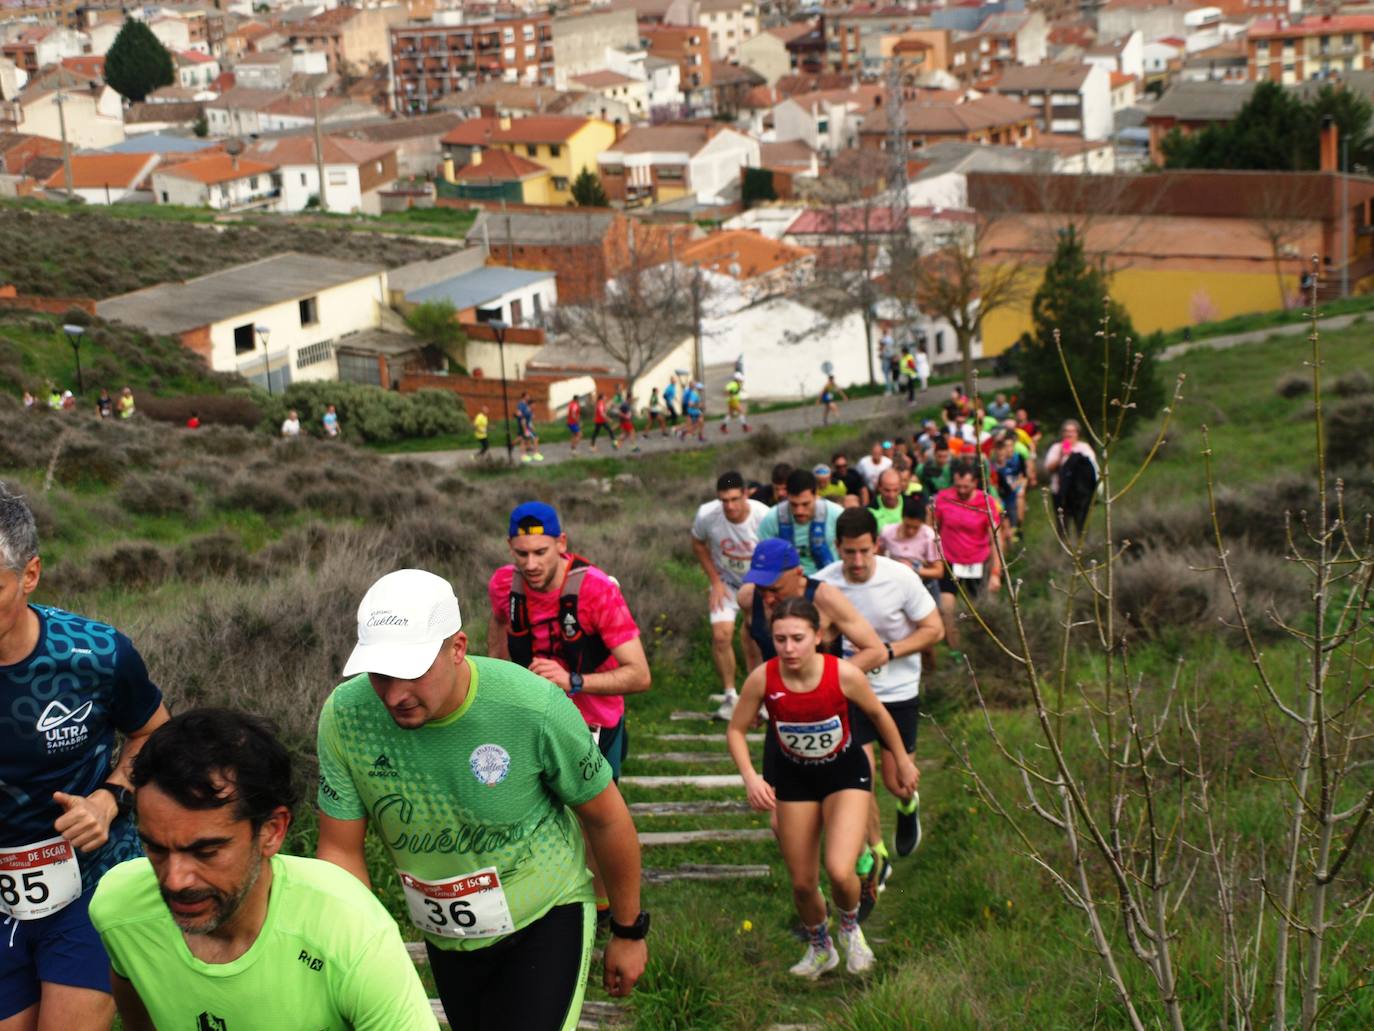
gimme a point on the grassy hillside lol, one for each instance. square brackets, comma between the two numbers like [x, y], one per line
[55, 251]
[236, 563]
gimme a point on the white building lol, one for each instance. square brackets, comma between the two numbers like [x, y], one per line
[728, 23]
[282, 317]
[219, 181]
[94, 118]
[108, 178]
[354, 171]
[827, 121]
[195, 70]
[1075, 99]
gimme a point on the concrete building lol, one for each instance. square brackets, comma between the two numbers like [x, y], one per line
[690, 48]
[517, 297]
[93, 112]
[277, 320]
[632, 93]
[108, 178]
[939, 117]
[728, 23]
[663, 163]
[1075, 99]
[827, 121]
[430, 62]
[1192, 106]
[219, 181]
[356, 37]
[354, 171]
[195, 70]
[1288, 50]
[580, 41]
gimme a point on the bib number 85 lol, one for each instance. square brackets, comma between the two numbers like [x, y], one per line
[459, 911]
[31, 884]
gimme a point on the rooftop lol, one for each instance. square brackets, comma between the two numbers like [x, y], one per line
[741, 253]
[1313, 26]
[217, 168]
[497, 165]
[602, 79]
[300, 150]
[1040, 77]
[472, 132]
[540, 129]
[1202, 101]
[93, 171]
[950, 117]
[478, 287]
[682, 139]
[231, 293]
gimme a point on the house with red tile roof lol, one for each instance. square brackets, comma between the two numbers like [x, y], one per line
[935, 117]
[748, 264]
[563, 144]
[108, 178]
[225, 182]
[654, 164]
[195, 70]
[494, 174]
[826, 120]
[354, 171]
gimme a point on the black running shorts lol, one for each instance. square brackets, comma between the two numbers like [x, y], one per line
[811, 782]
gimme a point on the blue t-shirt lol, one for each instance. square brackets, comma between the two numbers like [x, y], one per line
[59, 711]
[524, 415]
[1013, 468]
[670, 393]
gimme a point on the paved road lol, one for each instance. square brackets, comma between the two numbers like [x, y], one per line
[787, 420]
[1255, 336]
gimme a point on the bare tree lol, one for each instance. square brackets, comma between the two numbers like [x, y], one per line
[1282, 216]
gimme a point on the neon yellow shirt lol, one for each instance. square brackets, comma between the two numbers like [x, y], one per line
[328, 956]
[479, 425]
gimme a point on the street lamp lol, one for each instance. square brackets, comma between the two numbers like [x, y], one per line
[263, 333]
[74, 338]
[499, 328]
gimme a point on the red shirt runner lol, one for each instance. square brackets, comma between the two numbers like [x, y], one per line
[812, 726]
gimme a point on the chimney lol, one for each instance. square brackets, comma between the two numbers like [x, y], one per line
[1330, 144]
[505, 122]
[476, 156]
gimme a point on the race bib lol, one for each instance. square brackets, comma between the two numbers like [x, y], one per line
[812, 741]
[968, 570]
[471, 906]
[39, 879]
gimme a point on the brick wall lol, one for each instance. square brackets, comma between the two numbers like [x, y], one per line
[11, 298]
[475, 391]
[198, 340]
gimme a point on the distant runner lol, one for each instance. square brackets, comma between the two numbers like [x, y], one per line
[471, 770]
[734, 404]
[829, 393]
[574, 422]
[480, 423]
[217, 929]
[524, 422]
[71, 686]
[821, 780]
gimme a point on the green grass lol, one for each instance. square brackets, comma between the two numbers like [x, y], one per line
[1267, 319]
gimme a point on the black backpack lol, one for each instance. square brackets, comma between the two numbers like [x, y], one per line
[1077, 482]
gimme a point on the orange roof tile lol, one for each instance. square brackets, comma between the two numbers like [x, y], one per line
[501, 166]
[741, 253]
[218, 168]
[93, 171]
[475, 132]
[540, 129]
[1120, 79]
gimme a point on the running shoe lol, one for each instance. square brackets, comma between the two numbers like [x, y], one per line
[883, 871]
[538, 457]
[816, 961]
[868, 894]
[858, 956]
[727, 708]
[908, 826]
[524, 458]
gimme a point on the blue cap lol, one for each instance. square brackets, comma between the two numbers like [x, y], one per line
[772, 558]
[821, 470]
[534, 519]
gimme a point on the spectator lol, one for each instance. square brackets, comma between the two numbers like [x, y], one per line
[330, 422]
[1072, 466]
[124, 407]
[999, 409]
[481, 428]
[54, 398]
[909, 376]
[291, 425]
[193, 423]
[886, 352]
[29, 400]
[923, 367]
[68, 401]
[104, 404]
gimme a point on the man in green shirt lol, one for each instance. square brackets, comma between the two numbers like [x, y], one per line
[215, 929]
[475, 774]
[887, 508]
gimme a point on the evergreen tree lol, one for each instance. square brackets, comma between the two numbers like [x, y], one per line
[587, 190]
[137, 62]
[1073, 299]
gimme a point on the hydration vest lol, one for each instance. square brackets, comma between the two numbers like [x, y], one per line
[577, 649]
[820, 550]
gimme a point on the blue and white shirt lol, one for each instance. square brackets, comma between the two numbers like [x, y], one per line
[60, 709]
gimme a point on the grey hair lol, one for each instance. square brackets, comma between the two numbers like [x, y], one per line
[1071, 422]
[18, 532]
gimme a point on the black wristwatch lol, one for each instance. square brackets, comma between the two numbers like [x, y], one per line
[124, 798]
[891, 657]
[636, 931]
[574, 683]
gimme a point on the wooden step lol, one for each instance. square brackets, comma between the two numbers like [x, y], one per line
[705, 872]
[680, 715]
[720, 738]
[697, 758]
[702, 808]
[595, 1014]
[706, 780]
[650, 838]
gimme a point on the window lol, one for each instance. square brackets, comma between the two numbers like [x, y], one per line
[508, 35]
[822, 125]
[253, 183]
[671, 173]
[164, 197]
[302, 178]
[310, 311]
[538, 308]
[517, 313]
[612, 170]
[244, 342]
[532, 149]
[527, 31]
[529, 51]
[488, 314]
[560, 182]
[554, 150]
[939, 341]
[313, 354]
[338, 177]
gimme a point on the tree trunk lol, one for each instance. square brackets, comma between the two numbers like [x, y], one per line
[868, 346]
[965, 334]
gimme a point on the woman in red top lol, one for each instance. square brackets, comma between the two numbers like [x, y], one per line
[822, 778]
[575, 421]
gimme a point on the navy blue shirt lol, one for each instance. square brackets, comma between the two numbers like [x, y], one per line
[59, 711]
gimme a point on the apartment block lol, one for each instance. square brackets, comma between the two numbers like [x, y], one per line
[431, 61]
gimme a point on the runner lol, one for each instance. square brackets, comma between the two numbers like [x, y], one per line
[330, 421]
[734, 404]
[829, 392]
[855, 486]
[875, 463]
[600, 421]
[480, 424]
[216, 922]
[694, 404]
[724, 534]
[476, 812]
[775, 490]
[566, 620]
[626, 410]
[670, 400]
[70, 686]
[965, 519]
[574, 422]
[820, 779]
[524, 422]
[656, 414]
[805, 521]
[890, 597]
[1009, 467]
[887, 507]
[909, 376]
[827, 487]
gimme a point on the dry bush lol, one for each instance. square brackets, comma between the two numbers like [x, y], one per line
[1350, 431]
[215, 555]
[1292, 385]
[213, 409]
[157, 494]
[454, 486]
[765, 442]
[132, 565]
[225, 441]
[1173, 589]
[260, 494]
[208, 472]
[1353, 383]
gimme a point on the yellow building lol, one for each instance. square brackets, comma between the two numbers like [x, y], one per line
[562, 144]
[500, 175]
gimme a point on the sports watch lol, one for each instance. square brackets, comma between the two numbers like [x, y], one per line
[636, 931]
[574, 683]
[124, 798]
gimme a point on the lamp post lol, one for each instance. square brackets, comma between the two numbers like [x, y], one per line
[74, 338]
[499, 328]
[263, 333]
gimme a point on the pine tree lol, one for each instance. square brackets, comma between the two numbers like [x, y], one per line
[1073, 299]
[137, 62]
[587, 190]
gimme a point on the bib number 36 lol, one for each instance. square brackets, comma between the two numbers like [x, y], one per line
[471, 906]
[38, 880]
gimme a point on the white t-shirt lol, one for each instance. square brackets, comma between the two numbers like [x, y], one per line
[894, 601]
[871, 470]
[732, 544]
[291, 428]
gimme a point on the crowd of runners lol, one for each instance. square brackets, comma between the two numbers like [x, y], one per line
[141, 862]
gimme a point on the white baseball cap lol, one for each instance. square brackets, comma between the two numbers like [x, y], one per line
[403, 620]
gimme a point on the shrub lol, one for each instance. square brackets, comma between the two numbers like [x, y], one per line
[1353, 383]
[213, 409]
[1293, 385]
[157, 494]
[369, 413]
[216, 555]
[1349, 433]
[259, 494]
